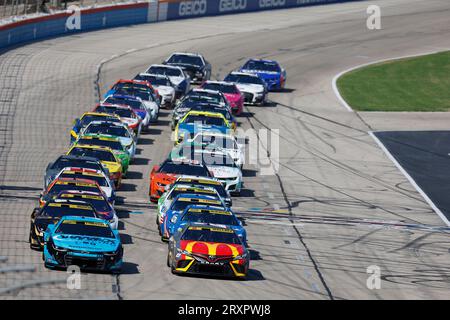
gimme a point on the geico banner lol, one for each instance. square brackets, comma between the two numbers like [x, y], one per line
[174, 9]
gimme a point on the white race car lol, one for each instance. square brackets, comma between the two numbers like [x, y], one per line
[163, 85]
[252, 87]
[226, 142]
[181, 81]
[223, 168]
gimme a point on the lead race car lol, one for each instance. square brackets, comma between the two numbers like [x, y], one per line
[193, 64]
[89, 243]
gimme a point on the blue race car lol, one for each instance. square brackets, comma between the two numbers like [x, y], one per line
[268, 70]
[87, 242]
[212, 215]
[180, 203]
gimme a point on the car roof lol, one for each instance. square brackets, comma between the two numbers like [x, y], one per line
[124, 96]
[145, 74]
[99, 136]
[187, 54]
[196, 196]
[200, 90]
[238, 73]
[109, 123]
[80, 158]
[165, 66]
[225, 83]
[90, 146]
[80, 193]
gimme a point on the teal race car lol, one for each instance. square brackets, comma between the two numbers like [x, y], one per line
[87, 242]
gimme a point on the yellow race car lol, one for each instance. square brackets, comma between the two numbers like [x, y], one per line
[106, 157]
[196, 121]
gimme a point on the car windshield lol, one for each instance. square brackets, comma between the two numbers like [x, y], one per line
[134, 104]
[85, 228]
[102, 155]
[185, 169]
[205, 96]
[144, 95]
[223, 142]
[225, 88]
[98, 202]
[185, 59]
[213, 216]
[155, 81]
[58, 210]
[200, 190]
[113, 144]
[170, 72]
[199, 183]
[121, 112]
[213, 109]
[119, 131]
[62, 163]
[215, 159]
[204, 120]
[97, 178]
[261, 66]
[210, 235]
[58, 187]
[238, 78]
[89, 118]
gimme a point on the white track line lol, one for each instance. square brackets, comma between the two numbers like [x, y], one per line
[340, 74]
[410, 179]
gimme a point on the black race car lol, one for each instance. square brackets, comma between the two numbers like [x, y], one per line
[201, 248]
[50, 213]
[193, 64]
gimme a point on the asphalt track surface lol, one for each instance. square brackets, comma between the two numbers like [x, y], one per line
[425, 156]
[336, 206]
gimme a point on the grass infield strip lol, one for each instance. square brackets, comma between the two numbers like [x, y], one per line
[411, 84]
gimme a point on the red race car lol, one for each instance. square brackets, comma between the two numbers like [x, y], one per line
[169, 170]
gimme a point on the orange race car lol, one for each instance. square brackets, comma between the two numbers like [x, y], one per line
[169, 170]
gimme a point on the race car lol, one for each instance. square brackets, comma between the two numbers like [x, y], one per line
[176, 75]
[98, 176]
[268, 70]
[193, 64]
[97, 200]
[110, 141]
[140, 89]
[195, 181]
[50, 213]
[179, 204]
[167, 173]
[216, 108]
[89, 243]
[222, 167]
[166, 198]
[64, 161]
[80, 123]
[230, 91]
[212, 215]
[163, 85]
[204, 249]
[106, 157]
[134, 103]
[197, 121]
[253, 88]
[226, 142]
[127, 115]
[119, 130]
[59, 185]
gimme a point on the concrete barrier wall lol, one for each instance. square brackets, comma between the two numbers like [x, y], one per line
[66, 23]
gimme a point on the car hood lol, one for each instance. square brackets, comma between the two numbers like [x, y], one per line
[223, 171]
[264, 74]
[142, 113]
[165, 178]
[151, 105]
[164, 90]
[249, 87]
[232, 96]
[206, 249]
[85, 243]
[176, 80]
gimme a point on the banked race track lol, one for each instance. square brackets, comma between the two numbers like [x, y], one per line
[337, 205]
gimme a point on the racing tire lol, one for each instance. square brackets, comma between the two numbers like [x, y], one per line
[168, 260]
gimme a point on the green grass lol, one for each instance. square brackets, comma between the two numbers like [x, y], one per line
[413, 84]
